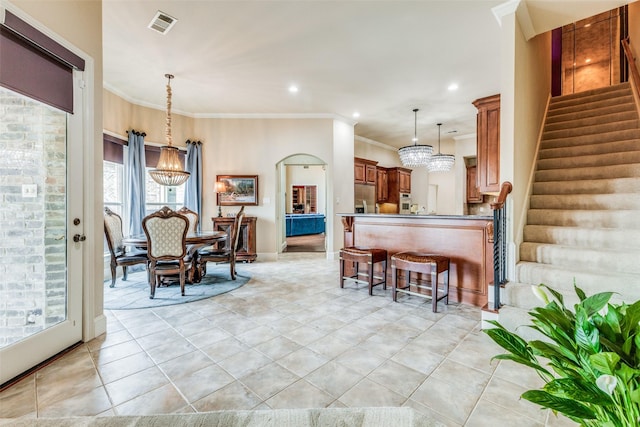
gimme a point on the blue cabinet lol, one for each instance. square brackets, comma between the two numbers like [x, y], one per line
[301, 224]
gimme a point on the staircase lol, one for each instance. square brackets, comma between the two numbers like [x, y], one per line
[583, 222]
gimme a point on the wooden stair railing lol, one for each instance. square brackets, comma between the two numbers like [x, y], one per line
[633, 68]
[500, 243]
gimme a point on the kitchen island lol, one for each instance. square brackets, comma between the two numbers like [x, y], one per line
[466, 239]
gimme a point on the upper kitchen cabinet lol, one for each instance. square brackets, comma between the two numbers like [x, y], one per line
[364, 171]
[382, 185]
[398, 181]
[488, 144]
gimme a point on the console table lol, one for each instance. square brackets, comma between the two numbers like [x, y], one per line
[247, 239]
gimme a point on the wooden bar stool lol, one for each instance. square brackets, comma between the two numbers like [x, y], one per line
[370, 256]
[417, 262]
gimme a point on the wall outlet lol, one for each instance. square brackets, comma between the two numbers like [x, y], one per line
[29, 190]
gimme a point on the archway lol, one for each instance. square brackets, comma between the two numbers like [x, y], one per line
[301, 204]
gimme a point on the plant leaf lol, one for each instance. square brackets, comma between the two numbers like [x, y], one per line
[579, 292]
[557, 295]
[548, 350]
[594, 303]
[586, 335]
[509, 341]
[577, 389]
[523, 361]
[605, 362]
[566, 406]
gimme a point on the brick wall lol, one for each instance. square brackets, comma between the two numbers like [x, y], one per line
[32, 255]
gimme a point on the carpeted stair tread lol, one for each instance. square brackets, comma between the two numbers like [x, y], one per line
[594, 186]
[590, 149]
[589, 160]
[591, 281]
[624, 219]
[576, 114]
[600, 259]
[599, 172]
[596, 129]
[591, 96]
[585, 201]
[586, 237]
[623, 88]
[572, 141]
[589, 121]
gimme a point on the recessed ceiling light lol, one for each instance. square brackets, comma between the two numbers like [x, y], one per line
[453, 86]
[293, 89]
[356, 114]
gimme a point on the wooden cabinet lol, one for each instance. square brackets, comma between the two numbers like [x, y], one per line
[382, 185]
[473, 195]
[246, 240]
[488, 144]
[364, 171]
[399, 181]
[304, 199]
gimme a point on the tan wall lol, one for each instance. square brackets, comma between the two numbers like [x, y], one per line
[121, 116]
[80, 24]
[634, 30]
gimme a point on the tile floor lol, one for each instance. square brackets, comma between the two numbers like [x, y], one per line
[290, 338]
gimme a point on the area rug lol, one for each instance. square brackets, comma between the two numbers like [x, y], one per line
[328, 417]
[134, 292]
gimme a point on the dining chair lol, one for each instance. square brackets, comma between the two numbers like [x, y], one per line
[166, 232]
[191, 216]
[120, 256]
[228, 252]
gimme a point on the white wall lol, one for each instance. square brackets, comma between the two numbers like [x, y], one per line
[307, 175]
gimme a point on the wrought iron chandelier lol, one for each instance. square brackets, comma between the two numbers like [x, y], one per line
[169, 170]
[440, 162]
[415, 155]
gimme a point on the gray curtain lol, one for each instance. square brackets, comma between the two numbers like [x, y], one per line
[135, 181]
[193, 187]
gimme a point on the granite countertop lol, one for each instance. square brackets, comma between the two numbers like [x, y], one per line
[486, 217]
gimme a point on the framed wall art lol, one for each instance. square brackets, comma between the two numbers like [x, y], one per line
[237, 190]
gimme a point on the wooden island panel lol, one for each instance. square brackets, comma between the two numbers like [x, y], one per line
[466, 240]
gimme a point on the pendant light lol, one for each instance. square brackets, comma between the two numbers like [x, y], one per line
[415, 155]
[169, 170]
[441, 162]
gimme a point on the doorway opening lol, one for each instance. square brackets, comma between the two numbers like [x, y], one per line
[302, 206]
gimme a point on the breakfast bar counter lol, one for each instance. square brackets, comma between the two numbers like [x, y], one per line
[466, 239]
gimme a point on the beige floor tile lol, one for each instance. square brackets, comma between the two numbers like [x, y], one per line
[485, 414]
[370, 394]
[171, 350]
[447, 399]
[434, 418]
[233, 396]
[304, 335]
[360, 360]
[159, 338]
[185, 365]
[257, 336]
[224, 349]
[19, 399]
[269, 380]
[559, 420]
[89, 403]
[303, 361]
[111, 337]
[518, 374]
[278, 347]
[334, 378]
[197, 326]
[300, 394]
[198, 384]
[115, 352]
[126, 366]
[397, 378]
[162, 400]
[208, 337]
[251, 361]
[135, 385]
[415, 357]
[507, 395]
[74, 383]
[472, 380]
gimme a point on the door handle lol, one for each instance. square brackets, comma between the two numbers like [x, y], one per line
[79, 238]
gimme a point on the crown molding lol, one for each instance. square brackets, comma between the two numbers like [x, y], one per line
[373, 142]
[505, 9]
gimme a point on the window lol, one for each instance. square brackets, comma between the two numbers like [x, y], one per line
[158, 196]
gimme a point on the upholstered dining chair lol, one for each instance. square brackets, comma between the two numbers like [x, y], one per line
[191, 216]
[166, 232]
[120, 256]
[226, 254]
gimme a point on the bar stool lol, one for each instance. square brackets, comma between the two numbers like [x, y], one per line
[370, 256]
[417, 262]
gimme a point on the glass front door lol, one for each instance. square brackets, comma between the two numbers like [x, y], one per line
[40, 213]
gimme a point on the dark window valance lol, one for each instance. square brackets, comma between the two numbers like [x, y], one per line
[34, 65]
[112, 149]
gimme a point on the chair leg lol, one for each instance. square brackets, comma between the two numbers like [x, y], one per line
[341, 273]
[232, 267]
[182, 274]
[434, 287]
[113, 275]
[370, 271]
[446, 285]
[384, 275]
[394, 283]
[124, 272]
[152, 282]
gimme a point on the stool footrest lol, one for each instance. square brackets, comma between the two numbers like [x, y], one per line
[418, 294]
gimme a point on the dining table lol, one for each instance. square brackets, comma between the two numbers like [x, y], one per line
[194, 241]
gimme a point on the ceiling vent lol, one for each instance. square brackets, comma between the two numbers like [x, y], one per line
[162, 22]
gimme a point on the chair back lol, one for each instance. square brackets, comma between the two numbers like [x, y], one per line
[235, 233]
[113, 231]
[166, 232]
[191, 216]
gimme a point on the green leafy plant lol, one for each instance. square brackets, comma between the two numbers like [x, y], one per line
[589, 359]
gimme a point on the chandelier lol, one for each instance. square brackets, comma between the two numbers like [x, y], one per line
[415, 155]
[440, 162]
[169, 170]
